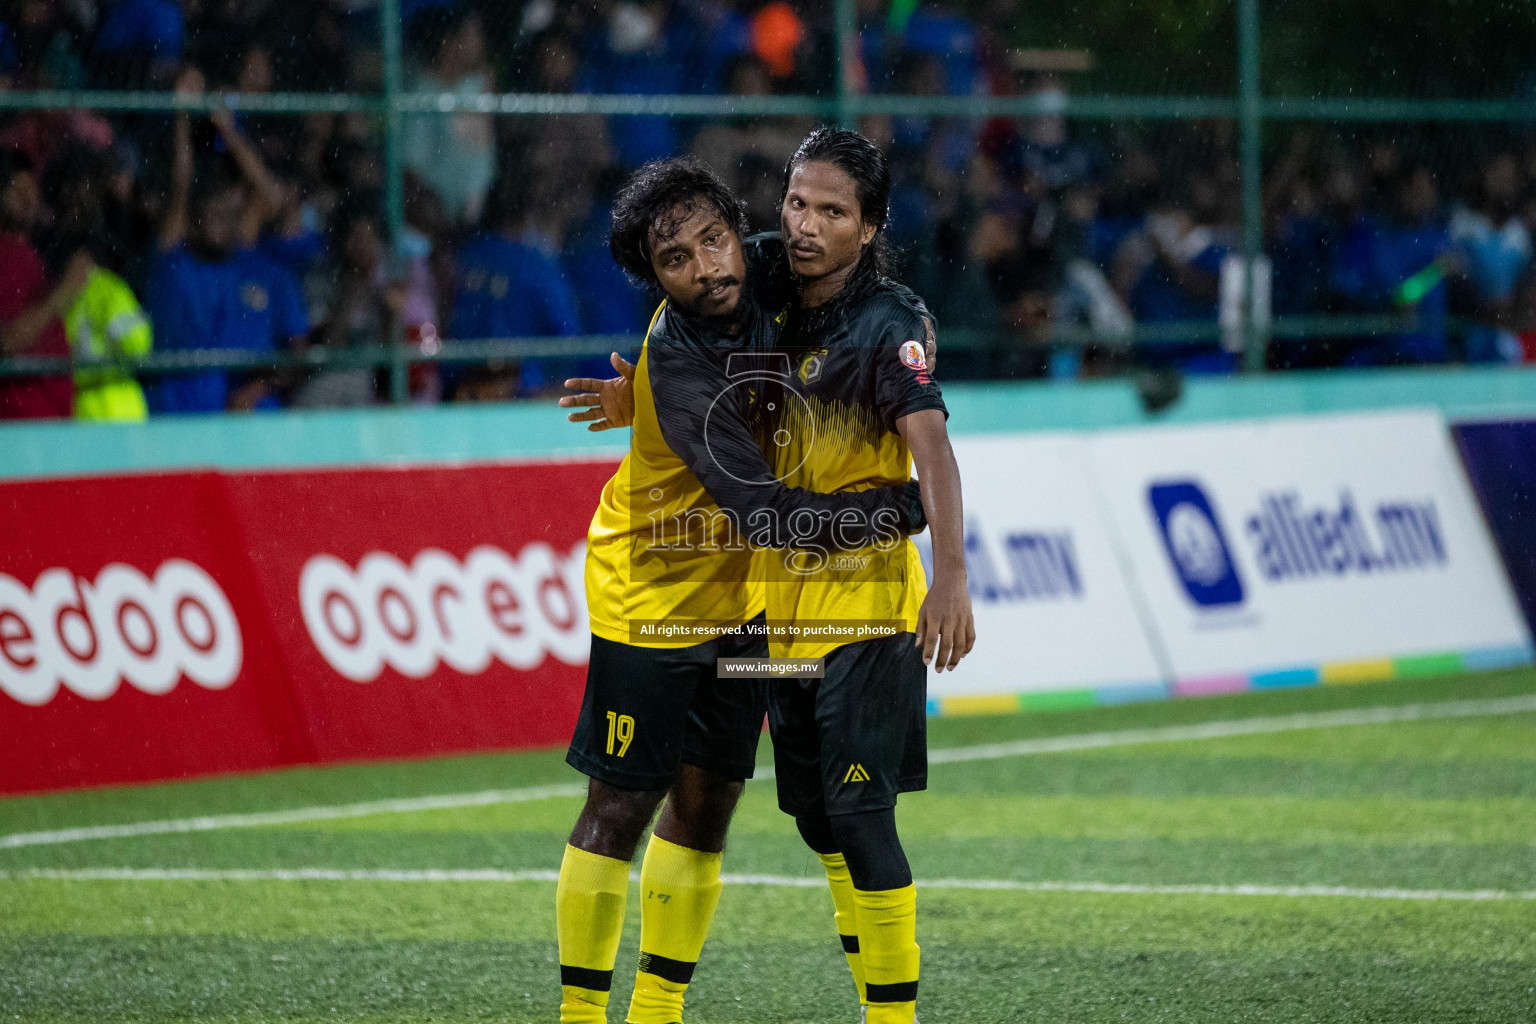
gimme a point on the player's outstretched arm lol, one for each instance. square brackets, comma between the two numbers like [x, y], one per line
[605, 404]
[946, 630]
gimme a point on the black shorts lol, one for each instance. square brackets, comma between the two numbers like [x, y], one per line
[646, 709]
[851, 741]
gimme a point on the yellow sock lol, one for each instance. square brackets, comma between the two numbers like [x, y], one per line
[845, 915]
[589, 915]
[681, 888]
[888, 945]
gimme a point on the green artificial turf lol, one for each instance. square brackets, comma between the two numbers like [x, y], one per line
[1442, 805]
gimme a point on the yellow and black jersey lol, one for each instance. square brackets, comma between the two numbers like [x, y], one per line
[856, 368]
[634, 577]
[672, 542]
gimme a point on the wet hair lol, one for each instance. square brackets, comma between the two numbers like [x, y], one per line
[647, 203]
[862, 161]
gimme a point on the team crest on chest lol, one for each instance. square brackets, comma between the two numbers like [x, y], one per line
[811, 365]
[912, 355]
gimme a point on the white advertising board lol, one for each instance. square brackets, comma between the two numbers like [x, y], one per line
[1053, 611]
[1270, 550]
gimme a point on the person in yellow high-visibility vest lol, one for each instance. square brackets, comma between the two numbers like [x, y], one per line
[106, 325]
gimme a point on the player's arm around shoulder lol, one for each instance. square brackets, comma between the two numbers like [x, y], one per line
[946, 629]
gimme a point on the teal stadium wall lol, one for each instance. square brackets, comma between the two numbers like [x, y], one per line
[536, 430]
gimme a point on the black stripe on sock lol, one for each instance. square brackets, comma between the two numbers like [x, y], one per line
[679, 972]
[901, 992]
[850, 943]
[587, 978]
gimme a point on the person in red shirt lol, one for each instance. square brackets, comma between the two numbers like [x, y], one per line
[31, 309]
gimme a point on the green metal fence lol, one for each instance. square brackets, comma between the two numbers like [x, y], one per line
[1246, 105]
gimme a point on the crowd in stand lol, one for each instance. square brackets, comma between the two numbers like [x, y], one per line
[264, 233]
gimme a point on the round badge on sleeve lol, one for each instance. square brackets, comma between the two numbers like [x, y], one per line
[912, 355]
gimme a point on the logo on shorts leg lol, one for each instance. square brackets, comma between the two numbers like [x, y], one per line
[856, 773]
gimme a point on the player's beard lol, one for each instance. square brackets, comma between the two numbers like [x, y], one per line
[730, 324]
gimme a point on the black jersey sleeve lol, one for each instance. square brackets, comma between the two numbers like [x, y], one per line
[705, 420]
[904, 381]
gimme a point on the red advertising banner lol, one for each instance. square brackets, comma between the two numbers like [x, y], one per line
[425, 610]
[162, 626]
[132, 643]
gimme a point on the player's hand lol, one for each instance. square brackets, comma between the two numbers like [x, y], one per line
[946, 630]
[605, 404]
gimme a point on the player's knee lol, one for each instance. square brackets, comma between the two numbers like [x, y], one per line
[870, 845]
[699, 809]
[613, 820]
[816, 830]
[704, 793]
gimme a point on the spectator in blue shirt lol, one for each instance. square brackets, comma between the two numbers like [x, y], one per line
[949, 37]
[10, 56]
[1169, 272]
[1300, 238]
[1494, 244]
[203, 297]
[707, 38]
[211, 288]
[1399, 263]
[630, 56]
[509, 288]
[607, 301]
[139, 44]
[1046, 148]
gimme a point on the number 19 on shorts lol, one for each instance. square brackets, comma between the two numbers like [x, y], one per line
[622, 729]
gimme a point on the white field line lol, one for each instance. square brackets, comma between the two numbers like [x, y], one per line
[293, 816]
[953, 755]
[1239, 727]
[777, 881]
